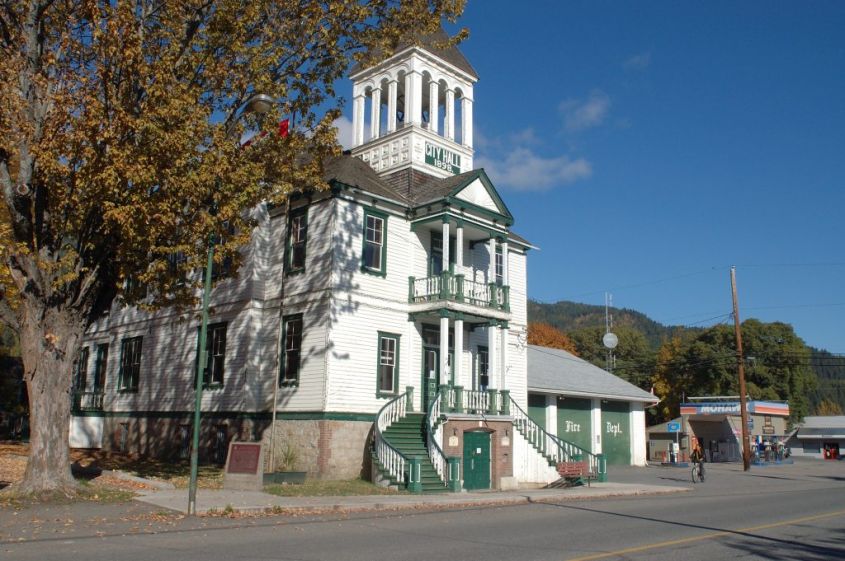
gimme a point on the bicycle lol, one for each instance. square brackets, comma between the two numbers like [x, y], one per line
[697, 472]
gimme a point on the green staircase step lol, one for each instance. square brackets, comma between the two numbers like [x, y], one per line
[407, 435]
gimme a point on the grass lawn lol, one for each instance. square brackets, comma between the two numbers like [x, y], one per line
[320, 488]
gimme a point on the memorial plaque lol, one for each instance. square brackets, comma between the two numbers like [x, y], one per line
[244, 466]
[243, 457]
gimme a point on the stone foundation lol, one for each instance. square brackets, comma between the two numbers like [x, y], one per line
[325, 449]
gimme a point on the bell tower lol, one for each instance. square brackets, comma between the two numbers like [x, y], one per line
[413, 111]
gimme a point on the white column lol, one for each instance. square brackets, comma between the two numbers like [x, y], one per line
[449, 122]
[445, 246]
[391, 106]
[492, 357]
[595, 419]
[491, 249]
[459, 249]
[433, 116]
[505, 262]
[375, 114]
[358, 120]
[503, 366]
[466, 122]
[413, 98]
[551, 414]
[459, 354]
[444, 350]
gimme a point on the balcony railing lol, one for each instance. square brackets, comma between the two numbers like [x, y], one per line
[455, 288]
[457, 399]
[88, 401]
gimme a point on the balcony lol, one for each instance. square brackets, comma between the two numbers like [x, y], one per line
[87, 401]
[447, 287]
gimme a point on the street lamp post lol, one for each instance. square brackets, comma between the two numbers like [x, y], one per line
[258, 103]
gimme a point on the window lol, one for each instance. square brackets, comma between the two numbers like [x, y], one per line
[483, 367]
[101, 367]
[215, 349]
[297, 236]
[375, 246]
[222, 269]
[500, 265]
[435, 259]
[292, 344]
[388, 363]
[80, 370]
[130, 364]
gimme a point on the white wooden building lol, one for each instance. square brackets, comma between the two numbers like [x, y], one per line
[398, 297]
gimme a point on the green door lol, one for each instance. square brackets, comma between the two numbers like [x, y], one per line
[574, 421]
[476, 460]
[431, 376]
[616, 432]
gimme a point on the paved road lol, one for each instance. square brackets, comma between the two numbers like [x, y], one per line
[788, 512]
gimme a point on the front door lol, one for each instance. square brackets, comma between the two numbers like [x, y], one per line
[476, 460]
[431, 376]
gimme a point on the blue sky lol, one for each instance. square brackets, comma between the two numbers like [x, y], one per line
[646, 147]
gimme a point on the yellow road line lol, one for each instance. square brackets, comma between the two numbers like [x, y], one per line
[711, 535]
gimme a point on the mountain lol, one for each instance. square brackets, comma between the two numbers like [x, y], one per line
[571, 316]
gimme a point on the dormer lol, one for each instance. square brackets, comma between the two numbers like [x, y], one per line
[414, 110]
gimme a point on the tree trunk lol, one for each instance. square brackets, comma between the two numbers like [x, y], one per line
[50, 341]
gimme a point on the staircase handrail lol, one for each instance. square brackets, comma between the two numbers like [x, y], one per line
[391, 459]
[435, 452]
[549, 445]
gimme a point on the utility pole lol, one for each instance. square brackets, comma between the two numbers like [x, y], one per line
[746, 452]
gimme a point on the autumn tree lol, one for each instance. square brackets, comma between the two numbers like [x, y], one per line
[546, 335]
[828, 407]
[119, 156]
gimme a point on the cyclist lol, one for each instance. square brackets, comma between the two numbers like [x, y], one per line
[697, 459]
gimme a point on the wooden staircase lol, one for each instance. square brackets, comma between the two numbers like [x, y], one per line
[407, 435]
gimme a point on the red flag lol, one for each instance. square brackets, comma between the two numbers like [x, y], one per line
[283, 127]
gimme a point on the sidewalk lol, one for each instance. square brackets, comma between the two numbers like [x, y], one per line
[259, 502]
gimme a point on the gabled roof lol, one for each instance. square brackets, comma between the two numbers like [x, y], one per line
[471, 189]
[354, 172]
[433, 44]
[557, 371]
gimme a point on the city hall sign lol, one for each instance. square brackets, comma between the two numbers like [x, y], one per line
[441, 158]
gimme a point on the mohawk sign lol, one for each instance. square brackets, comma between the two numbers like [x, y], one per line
[732, 408]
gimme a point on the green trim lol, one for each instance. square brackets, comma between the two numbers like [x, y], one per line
[379, 392]
[415, 223]
[250, 415]
[301, 212]
[283, 350]
[381, 272]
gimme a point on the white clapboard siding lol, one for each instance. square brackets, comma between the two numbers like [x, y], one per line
[517, 280]
[353, 352]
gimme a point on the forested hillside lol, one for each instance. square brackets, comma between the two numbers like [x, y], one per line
[679, 362]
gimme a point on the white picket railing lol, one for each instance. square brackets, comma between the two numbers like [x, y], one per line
[476, 402]
[433, 435]
[547, 444]
[393, 462]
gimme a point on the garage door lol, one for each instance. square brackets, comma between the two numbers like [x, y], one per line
[573, 421]
[537, 408]
[616, 432]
